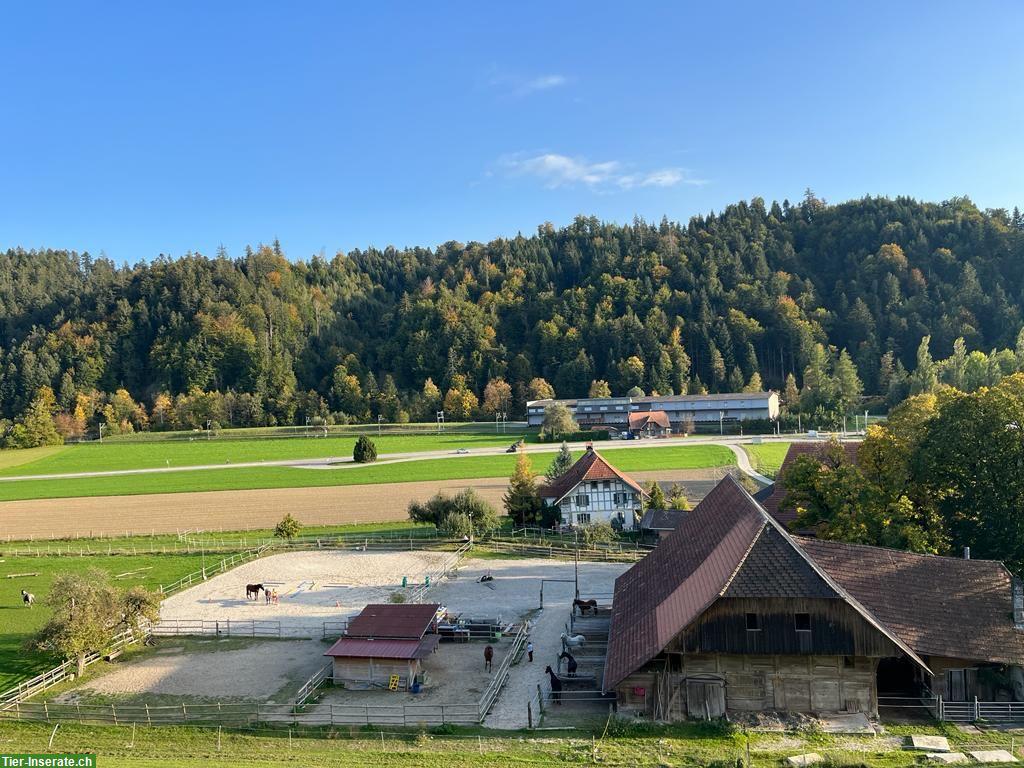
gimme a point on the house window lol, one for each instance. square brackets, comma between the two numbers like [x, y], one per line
[802, 622]
[617, 498]
[593, 485]
[583, 500]
[753, 622]
[582, 517]
[607, 484]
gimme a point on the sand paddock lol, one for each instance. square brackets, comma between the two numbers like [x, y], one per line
[330, 585]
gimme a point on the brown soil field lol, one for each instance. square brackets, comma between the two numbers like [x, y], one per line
[240, 510]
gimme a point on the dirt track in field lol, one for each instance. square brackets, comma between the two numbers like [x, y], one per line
[237, 510]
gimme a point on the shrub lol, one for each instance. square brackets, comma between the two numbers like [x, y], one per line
[288, 528]
[396, 597]
[465, 512]
[365, 451]
[599, 532]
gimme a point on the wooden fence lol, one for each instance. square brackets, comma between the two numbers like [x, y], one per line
[51, 677]
[430, 579]
[204, 573]
[310, 687]
[233, 628]
[515, 546]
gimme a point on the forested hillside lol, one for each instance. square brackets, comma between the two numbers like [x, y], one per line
[731, 300]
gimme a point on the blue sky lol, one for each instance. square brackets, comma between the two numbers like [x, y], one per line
[140, 128]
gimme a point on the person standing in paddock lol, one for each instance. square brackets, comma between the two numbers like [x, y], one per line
[488, 658]
[529, 651]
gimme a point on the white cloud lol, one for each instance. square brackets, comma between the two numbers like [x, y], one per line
[519, 86]
[556, 170]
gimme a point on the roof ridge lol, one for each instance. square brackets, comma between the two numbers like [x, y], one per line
[840, 590]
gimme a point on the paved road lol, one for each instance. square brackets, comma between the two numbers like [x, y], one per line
[346, 463]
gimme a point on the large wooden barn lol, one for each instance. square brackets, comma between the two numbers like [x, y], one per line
[733, 613]
[384, 646]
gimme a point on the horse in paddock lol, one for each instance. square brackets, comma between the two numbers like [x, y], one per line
[571, 665]
[556, 686]
[584, 606]
[27, 598]
[572, 641]
[252, 591]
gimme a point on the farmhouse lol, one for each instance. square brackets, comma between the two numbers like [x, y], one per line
[732, 613]
[681, 411]
[592, 490]
[384, 646]
[649, 424]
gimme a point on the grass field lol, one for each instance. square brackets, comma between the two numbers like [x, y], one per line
[245, 478]
[101, 457]
[698, 745]
[18, 623]
[767, 457]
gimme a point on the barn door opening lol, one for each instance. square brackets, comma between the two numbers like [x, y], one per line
[705, 699]
[898, 677]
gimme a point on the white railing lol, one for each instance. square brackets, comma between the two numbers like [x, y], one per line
[429, 579]
[501, 676]
[204, 573]
[310, 687]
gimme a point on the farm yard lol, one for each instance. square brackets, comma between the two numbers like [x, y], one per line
[327, 586]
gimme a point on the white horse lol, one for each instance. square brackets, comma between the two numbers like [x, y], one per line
[27, 598]
[572, 641]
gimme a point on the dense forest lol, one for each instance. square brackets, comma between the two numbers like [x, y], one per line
[798, 298]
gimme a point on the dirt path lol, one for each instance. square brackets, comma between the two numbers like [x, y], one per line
[238, 510]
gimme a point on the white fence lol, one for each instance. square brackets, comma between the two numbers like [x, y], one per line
[232, 628]
[12, 696]
[310, 687]
[450, 563]
[203, 574]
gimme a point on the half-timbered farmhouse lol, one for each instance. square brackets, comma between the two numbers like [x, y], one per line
[593, 490]
[732, 613]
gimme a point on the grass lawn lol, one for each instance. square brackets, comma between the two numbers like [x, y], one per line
[244, 478]
[767, 457]
[692, 744]
[99, 457]
[17, 623]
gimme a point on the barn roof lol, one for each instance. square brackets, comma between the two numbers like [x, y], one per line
[662, 519]
[775, 493]
[702, 560]
[366, 648]
[941, 606]
[398, 621]
[590, 466]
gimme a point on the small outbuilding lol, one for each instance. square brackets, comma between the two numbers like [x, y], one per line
[384, 646]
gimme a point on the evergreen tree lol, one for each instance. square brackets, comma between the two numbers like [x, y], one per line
[791, 395]
[847, 384]
[925, 377]
[656, 499]
[560, 464]
[365, 451]
[522, 502]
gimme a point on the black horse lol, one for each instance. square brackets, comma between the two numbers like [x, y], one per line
[571, 665]
[252, 591]
[585, 605]
[556, 686]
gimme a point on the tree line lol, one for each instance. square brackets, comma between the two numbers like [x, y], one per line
[826, 303]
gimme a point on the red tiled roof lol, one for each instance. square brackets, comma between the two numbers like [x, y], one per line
[640, 419]
[408, 621]
[699, 562]
[773, 500]
[589, 467]
[941, 606]
[363, 648]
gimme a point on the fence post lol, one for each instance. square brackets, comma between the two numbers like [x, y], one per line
[46, 711]
[529, 715]
[977, 710]
[149, 720]
[540, 699]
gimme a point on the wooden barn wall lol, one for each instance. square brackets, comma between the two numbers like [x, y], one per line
[836, 629]
[379, 671]
[752, 683]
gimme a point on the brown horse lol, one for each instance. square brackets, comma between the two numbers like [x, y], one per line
[488, 657]
[585, 605]
[252, 591]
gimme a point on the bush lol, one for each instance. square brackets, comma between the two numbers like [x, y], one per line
[396, 597]
[365, 451]
[599, 532]
[288, 528]
[465, 512]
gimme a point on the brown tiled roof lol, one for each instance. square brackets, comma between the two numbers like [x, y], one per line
[772, 501]
[940, 606]
[397, 621]
[365, 648]
[640, 419]
[589, 467]
[708, 554]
